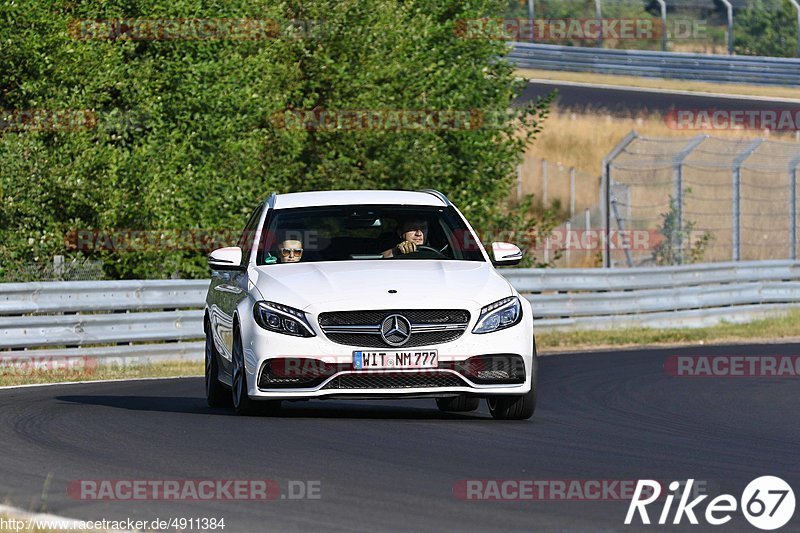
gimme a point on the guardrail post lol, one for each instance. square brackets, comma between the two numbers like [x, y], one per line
[605, 188]
[598, 12]
[797, 10]
[736, 218]
[729, 8]
[677, 192]
[663, 5]
[793, 207]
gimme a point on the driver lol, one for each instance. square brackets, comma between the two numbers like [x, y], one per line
[413, 232]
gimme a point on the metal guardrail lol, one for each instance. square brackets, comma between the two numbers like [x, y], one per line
[685, 66]
[147, 320]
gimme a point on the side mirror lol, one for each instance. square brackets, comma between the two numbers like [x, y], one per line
[229, 258]
[506, 254]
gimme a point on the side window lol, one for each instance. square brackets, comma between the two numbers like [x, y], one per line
[248, 234]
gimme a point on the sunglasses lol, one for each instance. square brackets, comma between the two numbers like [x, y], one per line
[285, 252]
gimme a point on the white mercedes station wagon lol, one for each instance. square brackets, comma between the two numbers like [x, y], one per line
[366, 294]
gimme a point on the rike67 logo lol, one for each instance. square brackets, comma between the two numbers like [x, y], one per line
[767, 503]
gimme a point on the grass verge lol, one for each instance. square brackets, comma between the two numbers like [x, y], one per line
[24, 376]
[766, 329]
[657, 83]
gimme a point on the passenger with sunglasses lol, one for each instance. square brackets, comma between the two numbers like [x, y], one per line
[290, 251]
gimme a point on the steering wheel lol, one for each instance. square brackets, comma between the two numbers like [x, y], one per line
[423, 248]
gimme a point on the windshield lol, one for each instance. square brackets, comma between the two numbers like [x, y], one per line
[368, 233]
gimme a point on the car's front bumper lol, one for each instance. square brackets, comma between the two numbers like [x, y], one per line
[261, 346]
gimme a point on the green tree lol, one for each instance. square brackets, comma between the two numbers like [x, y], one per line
[185, 137]
[680, 245]
[766, 28]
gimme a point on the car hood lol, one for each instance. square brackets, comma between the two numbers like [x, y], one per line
[351, 285]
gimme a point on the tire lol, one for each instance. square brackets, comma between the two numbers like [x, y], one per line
[519, 407]
[216, 393]
[242, 403]
[458, 404]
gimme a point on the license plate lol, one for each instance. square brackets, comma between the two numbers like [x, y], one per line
[377, 360]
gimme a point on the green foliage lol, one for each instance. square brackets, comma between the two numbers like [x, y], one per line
[514, 223]
[766, 29]
[184, 138]
[680, 245]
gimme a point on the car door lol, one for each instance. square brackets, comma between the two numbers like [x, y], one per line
[229, 288]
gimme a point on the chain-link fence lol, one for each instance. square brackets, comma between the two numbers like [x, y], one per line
[58, 270]
[575, 194]
[702, 199]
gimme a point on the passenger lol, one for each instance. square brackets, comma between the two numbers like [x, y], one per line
[413, 232]
[290, 251]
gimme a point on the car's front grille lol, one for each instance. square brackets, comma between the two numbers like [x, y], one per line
[395, 380]
[363, 328]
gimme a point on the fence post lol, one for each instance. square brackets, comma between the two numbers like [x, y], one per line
[598, 11]
[677, 192]
[621, 225]
[544, 183]
[793, 206]
[736, 218]
[605, 191]
[729, 8]
[571, 192]
[797, 10]
[531, 13]
[663, 5]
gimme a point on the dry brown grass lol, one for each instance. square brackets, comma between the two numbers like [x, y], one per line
[582, 140]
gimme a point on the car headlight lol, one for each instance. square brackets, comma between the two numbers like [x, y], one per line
[499, 315]
[282, 319]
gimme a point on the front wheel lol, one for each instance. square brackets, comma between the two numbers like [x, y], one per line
[517, 407]
[513, 407]
[216, 394]
[242, 403]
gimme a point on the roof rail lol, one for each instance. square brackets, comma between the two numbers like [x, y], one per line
[437, 194]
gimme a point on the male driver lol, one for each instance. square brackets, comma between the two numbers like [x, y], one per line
[290, 251]
[413, 232]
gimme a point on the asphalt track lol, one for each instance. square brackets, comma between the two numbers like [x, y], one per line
[391, 466]
[633, 101]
